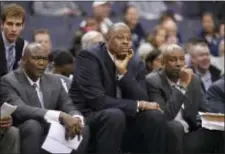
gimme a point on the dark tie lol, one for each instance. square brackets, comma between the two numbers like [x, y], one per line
[11, 57]
[35, 87]
[118, 90]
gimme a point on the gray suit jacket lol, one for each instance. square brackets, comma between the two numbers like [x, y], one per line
[171, 99]
[16, 90]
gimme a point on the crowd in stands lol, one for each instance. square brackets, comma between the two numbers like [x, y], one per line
[122, 87]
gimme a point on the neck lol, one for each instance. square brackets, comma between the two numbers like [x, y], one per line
[201, 71]
[172, 78]
[58, 71]
[32, 77]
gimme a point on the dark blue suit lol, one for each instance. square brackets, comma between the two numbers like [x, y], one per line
[93, 90]
[215, 96]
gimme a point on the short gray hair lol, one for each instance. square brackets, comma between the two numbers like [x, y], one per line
[32, 47]
[91, 38]
[170, 48]
[199, 47]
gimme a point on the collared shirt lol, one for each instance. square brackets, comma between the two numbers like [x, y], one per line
[206, 79]
[179, 116]
[51, 115]
[7, 46]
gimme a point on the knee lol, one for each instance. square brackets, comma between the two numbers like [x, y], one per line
[13, 133]
[114, 116]
[31, 127]
[175, 127]
[154, 116]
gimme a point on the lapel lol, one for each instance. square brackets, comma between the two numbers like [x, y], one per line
[166, 88]
[2, 56]
[30, 93]
[108, 61]
[46, 91]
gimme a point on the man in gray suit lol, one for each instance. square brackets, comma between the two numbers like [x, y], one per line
[40, 97]
[180, 95]
[9, 136]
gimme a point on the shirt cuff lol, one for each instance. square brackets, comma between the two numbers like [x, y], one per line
[52, 115]
[81, 118]
[138, 106]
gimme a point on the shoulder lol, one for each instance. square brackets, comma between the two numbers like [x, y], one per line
[153, 78]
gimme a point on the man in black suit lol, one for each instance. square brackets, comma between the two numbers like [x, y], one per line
[180, 95]
[39, 98]
[105, 88]
[215, 96]
[11, 45]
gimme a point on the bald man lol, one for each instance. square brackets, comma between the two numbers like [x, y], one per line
[31, 90]
[181, 97]
[106, 88]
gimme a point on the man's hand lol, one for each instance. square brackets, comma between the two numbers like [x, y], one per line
[6, 122]
[72, 125]
[121, 65]
[143, 105]
[185, 76]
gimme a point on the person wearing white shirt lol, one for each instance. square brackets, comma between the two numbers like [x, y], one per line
[40, 99]
[180, 95]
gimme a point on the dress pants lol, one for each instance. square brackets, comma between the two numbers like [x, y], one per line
[10, 141]
[33, 134]
[195, 142]
[111, 130]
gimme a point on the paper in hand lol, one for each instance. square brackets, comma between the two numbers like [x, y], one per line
[7, 110]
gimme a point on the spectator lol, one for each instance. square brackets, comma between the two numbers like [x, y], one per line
[32, 91]
[101, 13]
[56, 8]
[218, 62]
[131, 18]
[200, 57]
[11, 44]
[208, 32]
[91, 38]
[89, 24]
[153, 60]
[157, 37]
[9, 136]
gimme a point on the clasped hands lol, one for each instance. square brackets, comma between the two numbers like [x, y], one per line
[73, 125]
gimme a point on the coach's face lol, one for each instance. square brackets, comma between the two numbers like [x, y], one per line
[120, 42]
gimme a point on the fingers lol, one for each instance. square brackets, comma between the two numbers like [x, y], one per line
[5, 122]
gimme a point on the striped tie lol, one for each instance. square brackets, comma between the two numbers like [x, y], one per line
[11, 57]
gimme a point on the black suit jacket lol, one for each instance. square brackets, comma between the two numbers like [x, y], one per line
[3, 63]
[171, 99]
[94, 83]
[216, 96]
[215, 74]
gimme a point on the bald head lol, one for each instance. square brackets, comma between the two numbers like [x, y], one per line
[115, 28]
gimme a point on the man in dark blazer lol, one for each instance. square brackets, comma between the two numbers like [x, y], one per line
[40, 98]
[106, 90]
[201, 65]
[11, 45]
[215, 96]
[180, 95]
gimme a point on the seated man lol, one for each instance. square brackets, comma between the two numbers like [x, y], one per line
[215, 96]
[39, 98]
[180, 95]
[106, 90]
[9, 137]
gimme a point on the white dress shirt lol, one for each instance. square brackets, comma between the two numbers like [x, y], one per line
[179, 116]
[51, 115]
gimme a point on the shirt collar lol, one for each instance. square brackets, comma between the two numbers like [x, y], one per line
[6, 42]
[111, 56]
[171, 83]
[32, 82]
